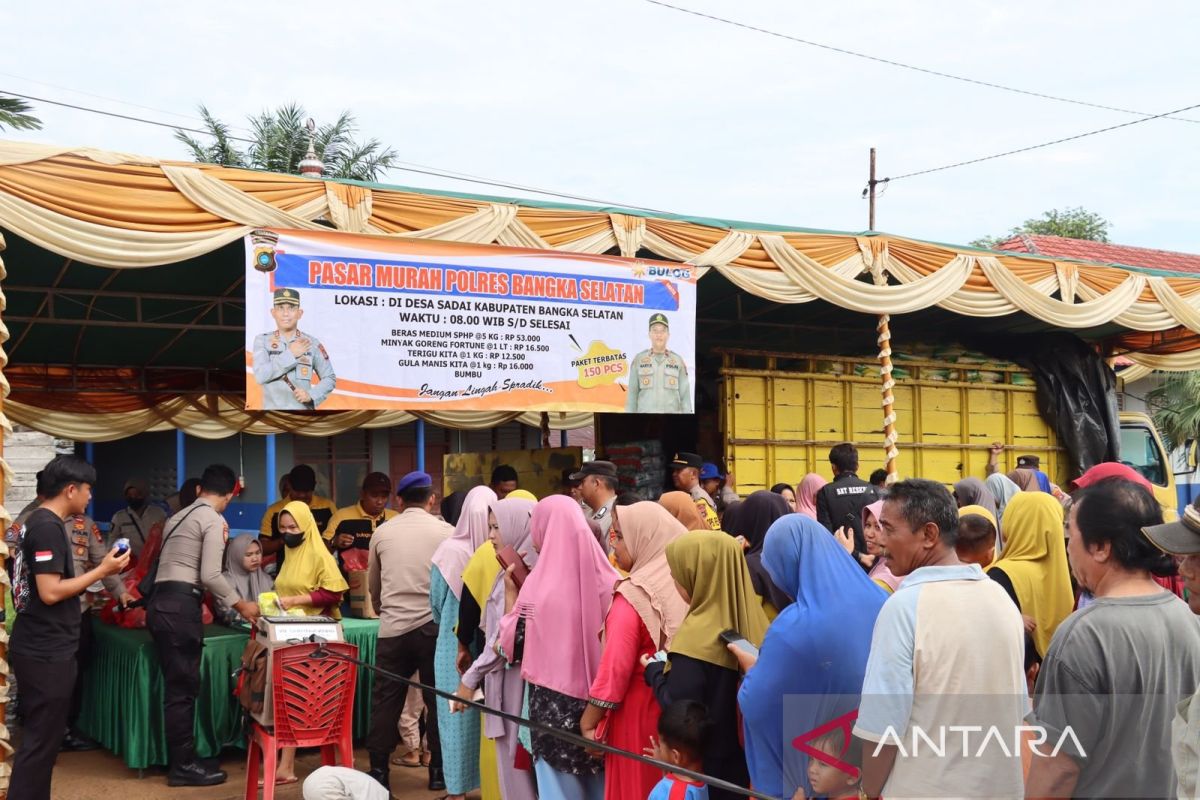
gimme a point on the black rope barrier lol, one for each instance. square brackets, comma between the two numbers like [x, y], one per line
[567, 736]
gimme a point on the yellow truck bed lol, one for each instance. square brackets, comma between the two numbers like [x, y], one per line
[782, 412]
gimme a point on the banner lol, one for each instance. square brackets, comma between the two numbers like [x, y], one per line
[338, 321]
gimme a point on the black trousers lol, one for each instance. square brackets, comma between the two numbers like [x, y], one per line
[45, 688]
[83, 657]
[175, 623]
[409, 653]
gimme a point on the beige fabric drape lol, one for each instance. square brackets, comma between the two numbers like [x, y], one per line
[228, 418]
[125, 211]
[220, 205]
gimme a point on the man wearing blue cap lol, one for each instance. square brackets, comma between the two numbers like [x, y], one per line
[717, 486]
[286, 360]
[658, 378]
[400, 553]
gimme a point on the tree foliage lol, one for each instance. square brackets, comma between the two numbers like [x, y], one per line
[14, 113]
[1071, 223]
[278, 142]
[1175, 405]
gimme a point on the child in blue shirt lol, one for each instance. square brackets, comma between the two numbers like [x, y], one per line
[683, 732]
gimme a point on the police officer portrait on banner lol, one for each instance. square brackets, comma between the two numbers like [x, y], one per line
[291, 366]
[658, 378]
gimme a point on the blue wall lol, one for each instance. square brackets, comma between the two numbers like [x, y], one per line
[151, 456]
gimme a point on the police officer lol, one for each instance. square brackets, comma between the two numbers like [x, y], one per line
[286, 360]
[190, 563]
[840, 502]
[658, 383]
[598, 490]
[137, 518]
[685, 474]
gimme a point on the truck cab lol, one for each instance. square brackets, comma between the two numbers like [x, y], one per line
[1142, 449]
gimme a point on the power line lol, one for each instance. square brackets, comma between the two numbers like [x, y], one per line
[913, 67]
[110, 99]
[1043, 144]
[404, 166]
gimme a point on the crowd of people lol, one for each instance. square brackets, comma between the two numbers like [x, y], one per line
[802, 641]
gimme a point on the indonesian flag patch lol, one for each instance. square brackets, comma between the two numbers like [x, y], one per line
[42, 555]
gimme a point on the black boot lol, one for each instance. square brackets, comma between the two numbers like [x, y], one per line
[380, 776]
[77, 743]
[186, 770]
[437, 781]
[378, 771]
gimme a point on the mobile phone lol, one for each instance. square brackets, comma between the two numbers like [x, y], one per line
[850, 520]
[740, 642]
[509, 556]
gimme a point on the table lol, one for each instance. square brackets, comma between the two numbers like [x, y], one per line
[123, 691]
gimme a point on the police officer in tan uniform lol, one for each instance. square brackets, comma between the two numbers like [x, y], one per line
[189, 564]
[137, 519]
[658, 379]
[286, 360]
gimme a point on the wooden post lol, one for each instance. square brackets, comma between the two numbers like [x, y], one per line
[883, 339]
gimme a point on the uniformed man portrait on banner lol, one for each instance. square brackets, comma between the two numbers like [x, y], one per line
[286, 360]
[658, 378]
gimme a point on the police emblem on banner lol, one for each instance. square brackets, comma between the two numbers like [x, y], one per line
[264, 249]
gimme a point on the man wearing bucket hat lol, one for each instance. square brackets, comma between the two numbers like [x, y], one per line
[137, 519]
[1182, 539]
[658, 380]
[286, 360]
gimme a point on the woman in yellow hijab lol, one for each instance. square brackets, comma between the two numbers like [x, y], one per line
[1033, 568]
[712, 577]
[309, 580]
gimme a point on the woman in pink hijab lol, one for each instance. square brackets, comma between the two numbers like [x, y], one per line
[806, 494]
[553, 629]
[646, 611]
[880, 572]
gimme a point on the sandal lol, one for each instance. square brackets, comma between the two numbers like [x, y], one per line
[426, 758]
[281, 781]
[410, 759]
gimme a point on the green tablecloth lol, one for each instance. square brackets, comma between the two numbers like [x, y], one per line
[123, 691]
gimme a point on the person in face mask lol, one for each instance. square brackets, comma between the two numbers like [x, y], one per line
[135, 520]
[308, 580]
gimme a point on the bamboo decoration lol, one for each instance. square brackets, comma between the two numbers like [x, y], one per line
[884, 338]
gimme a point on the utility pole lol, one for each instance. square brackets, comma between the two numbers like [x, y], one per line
[870, 194]
[871, 190]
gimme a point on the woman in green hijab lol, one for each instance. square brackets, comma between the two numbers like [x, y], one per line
[711, 575]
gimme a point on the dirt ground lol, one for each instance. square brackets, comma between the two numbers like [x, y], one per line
[99, 775]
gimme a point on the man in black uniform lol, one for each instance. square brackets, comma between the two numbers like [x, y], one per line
[840, 503]
[189, 563]
[46, 634]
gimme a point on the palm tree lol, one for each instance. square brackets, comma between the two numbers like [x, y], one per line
[279, 141]
[1175, 405]
[14, 114]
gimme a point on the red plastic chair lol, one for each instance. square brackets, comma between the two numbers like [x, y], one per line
[313, 701]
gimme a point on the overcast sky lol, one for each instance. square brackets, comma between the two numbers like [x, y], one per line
[636, 104]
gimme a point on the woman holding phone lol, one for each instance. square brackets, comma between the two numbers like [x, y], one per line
[503, 688]
[711, 575]
[646, 611]
[553, 630]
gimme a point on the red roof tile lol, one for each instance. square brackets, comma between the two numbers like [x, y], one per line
[1084, 250]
